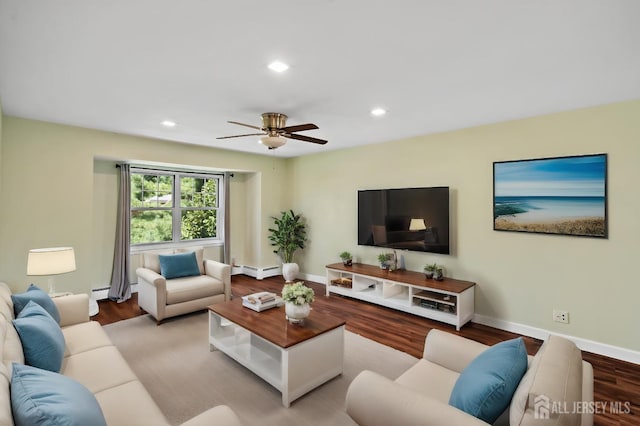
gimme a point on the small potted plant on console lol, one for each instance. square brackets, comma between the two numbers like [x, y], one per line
[383, 258]
[429, 270]
[346, 257]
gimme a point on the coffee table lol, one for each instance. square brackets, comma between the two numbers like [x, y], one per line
[292, 358]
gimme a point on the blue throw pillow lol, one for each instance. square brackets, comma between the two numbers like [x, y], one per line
[485, 387]
[179, 265]
[41, 337]
[37, 295]
[40, 397]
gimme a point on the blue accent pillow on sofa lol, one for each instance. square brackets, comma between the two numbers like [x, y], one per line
[40, 397]
[179, 265]
[36, 294]
[41, 337]
[485, 387]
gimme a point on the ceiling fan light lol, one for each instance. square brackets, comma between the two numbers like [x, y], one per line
[273, 142]
[278, 66]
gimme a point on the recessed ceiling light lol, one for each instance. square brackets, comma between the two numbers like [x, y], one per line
[278, 66]
[378, 112]
[169, 123]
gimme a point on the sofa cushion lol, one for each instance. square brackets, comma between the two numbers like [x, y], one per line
[485, 387]
[6, 416]
[426, 371]
[179, 265]
[10, 344]
[199, 251]
[119, 402]
[151, 260]
[192, 288]
[40, 397]
[6, 304]
[555, 376]
[84, 337]
[42, 340]
[34, 293]
[113, 370]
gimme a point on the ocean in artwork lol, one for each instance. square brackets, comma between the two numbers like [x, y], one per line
[564, 195]
[548, 209]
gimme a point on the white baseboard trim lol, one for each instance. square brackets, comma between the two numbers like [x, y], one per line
[587, 345]
[260, 273]
[103, 293]
[321, 279]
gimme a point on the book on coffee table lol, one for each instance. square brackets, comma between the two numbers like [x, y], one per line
[261, 301]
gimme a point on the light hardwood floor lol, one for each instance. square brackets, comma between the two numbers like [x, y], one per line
[615, 381]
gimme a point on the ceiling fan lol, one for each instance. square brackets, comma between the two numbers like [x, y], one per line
[274, 131]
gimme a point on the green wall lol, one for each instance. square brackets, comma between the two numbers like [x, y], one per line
[57, 187]
[521, 277]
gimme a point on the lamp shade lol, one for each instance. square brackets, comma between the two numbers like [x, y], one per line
[51, 261]
[273, 142]
[417, 225]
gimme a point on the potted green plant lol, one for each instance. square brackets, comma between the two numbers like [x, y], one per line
[383, 258]
[430, 269]
[288, 235]
[346, 257]
[297, 298]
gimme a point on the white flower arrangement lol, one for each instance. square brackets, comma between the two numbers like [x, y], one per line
[297, 293]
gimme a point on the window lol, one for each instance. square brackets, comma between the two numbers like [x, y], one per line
[171, 206]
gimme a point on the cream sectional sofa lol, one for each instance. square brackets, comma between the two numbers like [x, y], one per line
[557, 385]
[92, 360]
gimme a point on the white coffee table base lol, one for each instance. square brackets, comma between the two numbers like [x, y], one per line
[294, 371]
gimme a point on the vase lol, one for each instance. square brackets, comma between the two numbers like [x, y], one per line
[290, 271]
[296, 313]
[438, 275]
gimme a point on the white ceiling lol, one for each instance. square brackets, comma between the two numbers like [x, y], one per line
[127, 65]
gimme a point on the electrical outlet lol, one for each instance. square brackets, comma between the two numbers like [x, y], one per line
[561, 316]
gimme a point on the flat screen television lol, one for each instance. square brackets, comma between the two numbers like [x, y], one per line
[406, 219]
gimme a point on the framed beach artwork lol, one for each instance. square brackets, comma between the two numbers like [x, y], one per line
[562, 195]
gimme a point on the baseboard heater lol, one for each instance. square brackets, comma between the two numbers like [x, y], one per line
[103, 293]
[260, 273]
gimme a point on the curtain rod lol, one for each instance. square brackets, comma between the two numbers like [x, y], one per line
[155, 169]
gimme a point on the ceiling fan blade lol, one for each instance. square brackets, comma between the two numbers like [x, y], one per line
[305, 138]
[245, 125]
[240, 136]
[299, 128]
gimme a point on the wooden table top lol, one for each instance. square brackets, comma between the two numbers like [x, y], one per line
[402, 275]
[272, 324]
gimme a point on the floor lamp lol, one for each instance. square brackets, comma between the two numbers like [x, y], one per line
[51, 261]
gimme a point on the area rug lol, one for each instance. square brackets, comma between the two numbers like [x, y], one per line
[174, 363]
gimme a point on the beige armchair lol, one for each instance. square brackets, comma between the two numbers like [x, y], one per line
[164, 298]
[556, 377]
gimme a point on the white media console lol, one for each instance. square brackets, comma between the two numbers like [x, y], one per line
[450, 301]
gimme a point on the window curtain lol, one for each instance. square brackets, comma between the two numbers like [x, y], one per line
[120, 286]
[225, 230]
